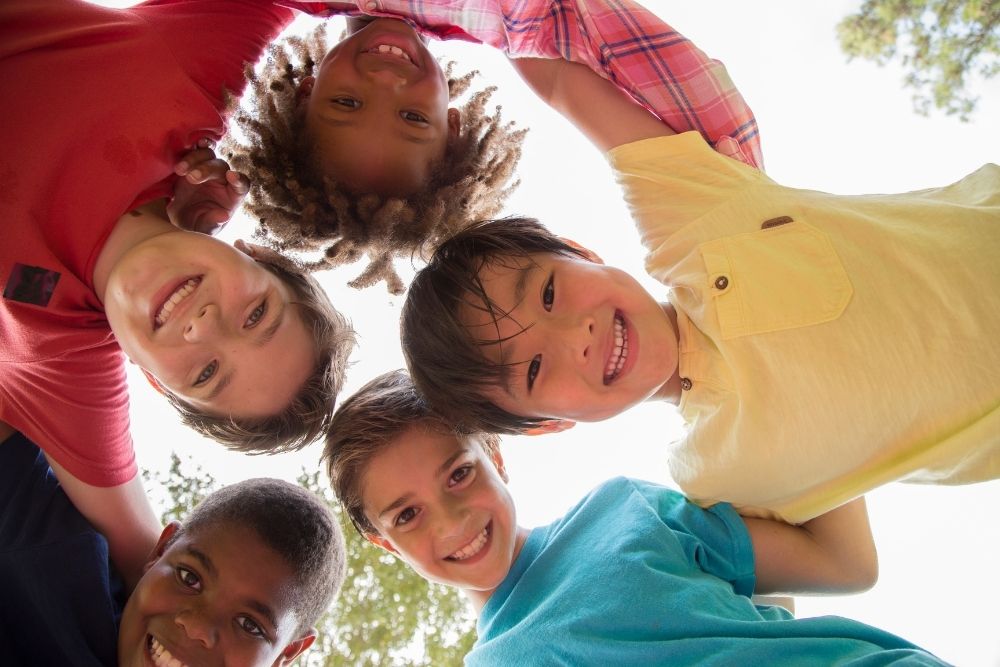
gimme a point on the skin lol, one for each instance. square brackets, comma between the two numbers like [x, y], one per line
[221, 343]
[217, 596]
[559, 331]
[431, 495]
[378, 122]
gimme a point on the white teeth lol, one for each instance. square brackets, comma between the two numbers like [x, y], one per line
[472, 548]
[620, 352]
[161, 656]
[391, 50]
[179, 295]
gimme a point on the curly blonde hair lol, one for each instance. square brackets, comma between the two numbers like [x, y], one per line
[300, 210]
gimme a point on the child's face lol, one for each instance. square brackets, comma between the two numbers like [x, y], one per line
[378, 112]
[441, 504]
[210, 324]
[215, 597]
[585, 340]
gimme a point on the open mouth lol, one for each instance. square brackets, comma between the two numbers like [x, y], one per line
[619, 351]
[172, 300]
[473, 547]
[390, 50]
[159, 655]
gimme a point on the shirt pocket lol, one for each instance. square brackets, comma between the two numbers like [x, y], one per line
[784, 276]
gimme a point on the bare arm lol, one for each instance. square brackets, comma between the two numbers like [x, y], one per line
[6, 430]
[606, 115]
[122, 514]
[833, 553]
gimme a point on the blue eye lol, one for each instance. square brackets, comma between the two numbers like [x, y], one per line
[257, 315]
[206, 374]
[549, 293]
[533, 369]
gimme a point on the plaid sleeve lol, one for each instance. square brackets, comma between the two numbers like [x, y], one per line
[620, 40]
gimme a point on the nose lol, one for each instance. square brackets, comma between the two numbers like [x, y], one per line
[577, 337]
[452, 519]
[387, 76]
[202, 325]
[198, 626]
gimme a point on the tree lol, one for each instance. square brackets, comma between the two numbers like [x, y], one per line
[940, 42]
[385, 614]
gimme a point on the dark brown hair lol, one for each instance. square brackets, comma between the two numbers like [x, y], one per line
[446, 361]
[300, 209]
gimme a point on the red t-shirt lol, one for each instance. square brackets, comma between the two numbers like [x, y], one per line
[98, 106]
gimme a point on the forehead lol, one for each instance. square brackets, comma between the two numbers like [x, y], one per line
[415, 456]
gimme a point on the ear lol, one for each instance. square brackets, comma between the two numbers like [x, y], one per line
[497, 459]
[295, 649]
[260, 253]
[153, 382]
[166, 536]
[305, 88]
[454, 123]
[587, 252]
[380, 541]
[550, 426]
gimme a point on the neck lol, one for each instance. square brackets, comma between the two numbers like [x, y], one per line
[671, 389]
[478, 598]
[133, 228]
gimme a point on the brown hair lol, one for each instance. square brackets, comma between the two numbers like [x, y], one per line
[366, 423]
[446, 361]
[308, 415]
[293, 523]
[300, 209]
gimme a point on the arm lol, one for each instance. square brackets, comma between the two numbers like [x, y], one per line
[6, 430]
[122, 514]
[833, 553]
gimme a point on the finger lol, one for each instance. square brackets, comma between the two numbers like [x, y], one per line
[206, 142]
[192, 159]
[238, 182]
[210, 170]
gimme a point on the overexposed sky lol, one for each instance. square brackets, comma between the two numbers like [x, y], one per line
[826, 124]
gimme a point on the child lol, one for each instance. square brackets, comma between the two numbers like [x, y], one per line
[241, 582]
[633, 575]
[356, 151]
[817, 345]
[101, 104]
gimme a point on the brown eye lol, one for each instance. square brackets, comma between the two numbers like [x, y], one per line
[549, 293]
[533, 369]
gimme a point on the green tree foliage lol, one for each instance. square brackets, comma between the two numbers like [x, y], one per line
[386, 615]
[940, 43]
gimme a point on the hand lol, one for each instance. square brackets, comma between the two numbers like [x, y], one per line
[207, 193]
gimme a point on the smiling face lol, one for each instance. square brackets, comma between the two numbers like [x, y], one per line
[377, 112]
[584, 341]
[210, 323]
[441, 504]
[216, 596]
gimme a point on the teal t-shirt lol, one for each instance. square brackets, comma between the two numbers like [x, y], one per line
[637, 575]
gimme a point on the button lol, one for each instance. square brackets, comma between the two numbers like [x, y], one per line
[371, 5]
[685, 384]
[776, 222]
[721, 283]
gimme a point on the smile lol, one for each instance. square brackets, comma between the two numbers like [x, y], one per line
[182, 292]
[619, 353]
[390, 50]
[160, 655]
[473, 547]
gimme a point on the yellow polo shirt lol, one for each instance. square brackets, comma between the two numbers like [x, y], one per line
[828, 344]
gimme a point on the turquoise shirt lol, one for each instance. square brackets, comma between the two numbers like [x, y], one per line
[637, 575]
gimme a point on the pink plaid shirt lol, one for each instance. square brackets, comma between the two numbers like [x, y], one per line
[619, 39]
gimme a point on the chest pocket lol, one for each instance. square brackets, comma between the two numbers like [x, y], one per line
[783, 276]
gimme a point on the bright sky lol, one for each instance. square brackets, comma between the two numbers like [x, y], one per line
[826, 124]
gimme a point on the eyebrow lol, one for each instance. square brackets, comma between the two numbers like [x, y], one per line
[402, 500]
[202, 558]
[521, 285]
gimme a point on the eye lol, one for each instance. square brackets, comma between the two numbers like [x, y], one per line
[346, 102]
[414, 117]
[533, 369]
[257, 315]
[206, 373]
[549, 293]
[461, 473]
[251, 627]
[187, 578]
[406, 516]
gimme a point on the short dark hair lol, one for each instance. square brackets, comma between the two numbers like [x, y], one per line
[365, 424]
[292, 522]
[308, 414]
[445, 360]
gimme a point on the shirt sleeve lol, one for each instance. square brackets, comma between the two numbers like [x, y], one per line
[715, 540]
[618, 39]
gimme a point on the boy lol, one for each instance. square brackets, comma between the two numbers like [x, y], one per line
[101, 104]
[241, 582]
[632, 575]
[807, 373]
[356, 151]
